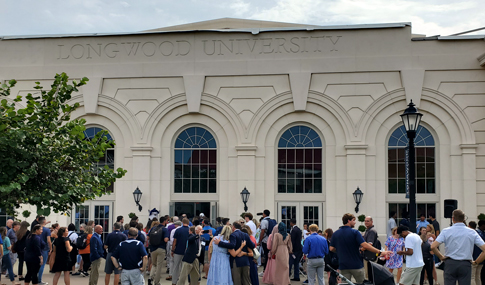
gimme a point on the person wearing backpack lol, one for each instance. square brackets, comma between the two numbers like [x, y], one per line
[267, 225]
[111, 243]
[83, 243]
[72, 236]
[157, 244]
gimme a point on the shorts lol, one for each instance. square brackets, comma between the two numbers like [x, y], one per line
[358, 274]
[411, 276]
[109, 267]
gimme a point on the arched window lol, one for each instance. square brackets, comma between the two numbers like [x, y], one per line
[109, 156]
[195, 162]
[300, 161]
[424, 164]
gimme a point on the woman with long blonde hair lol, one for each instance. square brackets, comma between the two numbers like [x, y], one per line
[220, 268]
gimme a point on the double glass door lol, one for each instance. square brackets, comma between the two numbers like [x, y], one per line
[100, 212]
[304, 213]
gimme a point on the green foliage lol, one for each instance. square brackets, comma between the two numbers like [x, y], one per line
[481, 216]
[44, 158]
[26, 214]
[242, 215]
[362, 228]
[131, 215]
[361, 218]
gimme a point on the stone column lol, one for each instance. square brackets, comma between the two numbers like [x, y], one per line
[469, 180]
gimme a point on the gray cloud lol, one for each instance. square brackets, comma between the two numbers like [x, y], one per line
[429, 17]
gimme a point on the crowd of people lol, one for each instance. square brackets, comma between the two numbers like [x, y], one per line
[231, 252]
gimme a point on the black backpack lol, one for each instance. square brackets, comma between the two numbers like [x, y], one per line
[156, 236]
[271, 224]
[82, 241]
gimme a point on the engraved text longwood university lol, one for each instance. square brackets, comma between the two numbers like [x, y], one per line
[204, 47]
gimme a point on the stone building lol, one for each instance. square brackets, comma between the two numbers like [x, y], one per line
[299, 115]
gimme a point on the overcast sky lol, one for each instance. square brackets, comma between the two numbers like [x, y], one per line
[430, 17]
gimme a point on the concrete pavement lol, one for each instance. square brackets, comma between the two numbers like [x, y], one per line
[80, 280]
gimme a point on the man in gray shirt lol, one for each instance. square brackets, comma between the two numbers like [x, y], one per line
[391, 223]
[459, 241]
[370, 237]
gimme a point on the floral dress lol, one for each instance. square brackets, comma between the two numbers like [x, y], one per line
[394, 245]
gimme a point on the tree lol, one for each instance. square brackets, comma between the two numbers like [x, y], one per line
[45, 159]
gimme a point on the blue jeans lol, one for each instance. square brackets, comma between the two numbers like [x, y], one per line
[8, 264]
[45, 255]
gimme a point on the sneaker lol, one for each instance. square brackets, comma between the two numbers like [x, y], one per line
[261, 274]
[150, 282]
[77, 273]
[84, 274]
[305, 282]
[43, 283]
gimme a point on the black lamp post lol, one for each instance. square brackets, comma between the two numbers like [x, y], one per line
[137, 196]
[245, 197]
[411, 119]
[357, 198]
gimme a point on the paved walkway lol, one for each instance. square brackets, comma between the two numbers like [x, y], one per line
[79, 280]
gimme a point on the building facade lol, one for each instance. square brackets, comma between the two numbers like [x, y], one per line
[300, 116]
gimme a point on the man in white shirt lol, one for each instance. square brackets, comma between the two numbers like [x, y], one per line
[391, 223]
[459, 241]
[249, 222]
[414, 257]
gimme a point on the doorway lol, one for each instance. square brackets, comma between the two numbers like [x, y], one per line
[193, 209]
[304, 213]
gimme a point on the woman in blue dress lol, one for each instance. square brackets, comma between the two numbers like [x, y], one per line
[220, 268]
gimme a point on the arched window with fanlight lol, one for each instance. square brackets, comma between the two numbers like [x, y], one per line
[109, 156]
[424, 163]
[300, 161]
[195, 154]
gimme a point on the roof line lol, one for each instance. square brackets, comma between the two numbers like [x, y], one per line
[470, 31]
[253, 31]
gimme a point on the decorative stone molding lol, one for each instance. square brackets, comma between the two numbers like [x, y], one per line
[141, 150]
[469, 148]
[481, 59]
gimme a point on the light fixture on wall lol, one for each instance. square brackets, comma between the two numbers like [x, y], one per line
[411, 119]
[357, 198]
[245, 197]
[137, 196]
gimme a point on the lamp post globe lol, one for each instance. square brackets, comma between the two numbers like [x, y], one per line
[245, 198]
[357, 198]
[137, 196]
[411, 119]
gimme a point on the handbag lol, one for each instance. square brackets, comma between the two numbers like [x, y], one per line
[256, 253]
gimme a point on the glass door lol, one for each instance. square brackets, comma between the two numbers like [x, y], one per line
[98, 211]
[304, 213]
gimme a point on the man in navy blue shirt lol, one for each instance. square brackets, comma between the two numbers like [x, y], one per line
[95, 255]
[158, 251]
[134, 224]
[239, 264]
[132, 258]
[315, 247]
[45, 238]
[178, 249]
[111, 244]
[190, 262]
[346, 242]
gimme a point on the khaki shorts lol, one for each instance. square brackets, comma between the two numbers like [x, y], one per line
[358, 274]
[411, 276]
